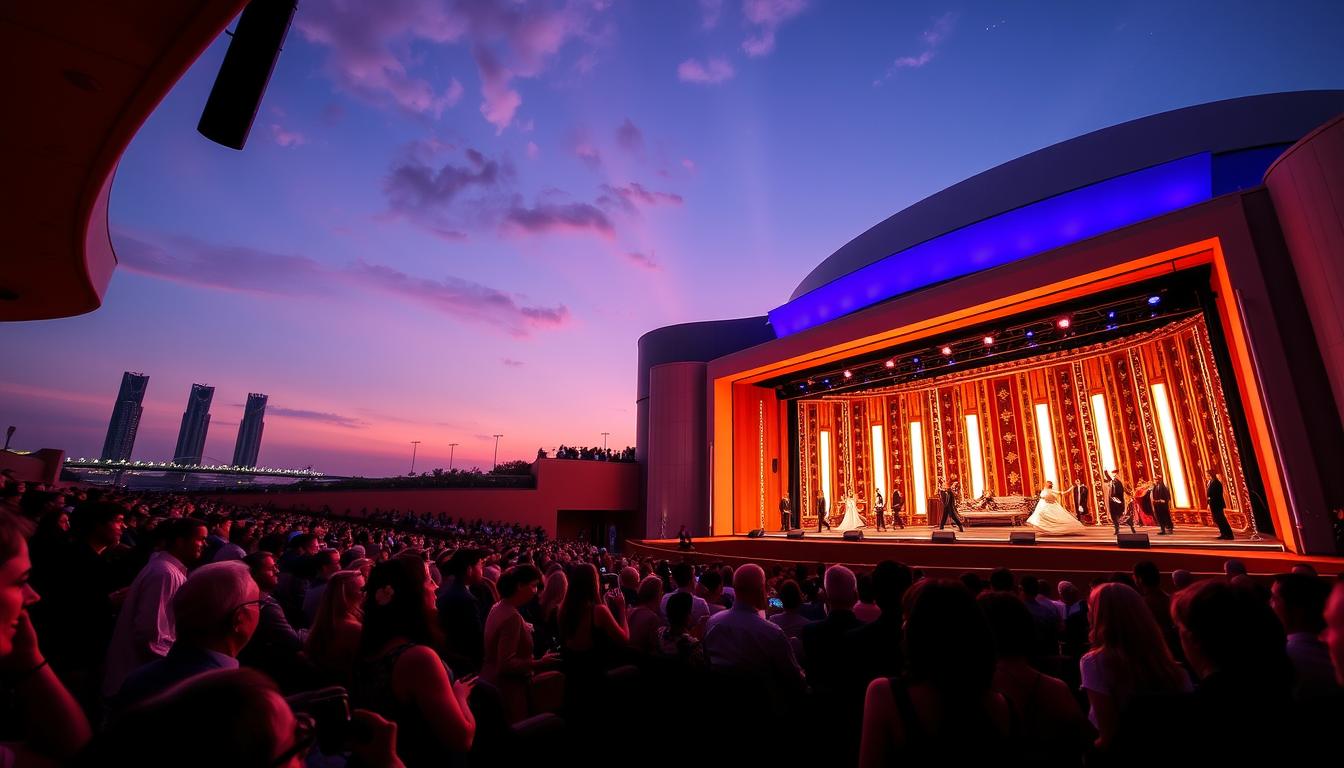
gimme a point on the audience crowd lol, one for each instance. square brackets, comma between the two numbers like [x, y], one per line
[591, 454]
[156, 630]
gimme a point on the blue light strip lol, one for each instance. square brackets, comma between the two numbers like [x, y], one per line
[1017, 234]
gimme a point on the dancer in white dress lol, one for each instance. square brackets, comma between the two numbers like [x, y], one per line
[851, 521]
[1052, 519]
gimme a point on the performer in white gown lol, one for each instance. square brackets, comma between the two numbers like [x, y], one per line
[1052, 519]
[851, 521]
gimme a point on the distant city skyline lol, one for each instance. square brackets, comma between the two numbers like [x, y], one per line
[247, 448]
[125, 422]
[195, 425]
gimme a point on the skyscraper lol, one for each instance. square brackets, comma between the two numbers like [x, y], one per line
[249, 432]
[195, 422]
[125, 417]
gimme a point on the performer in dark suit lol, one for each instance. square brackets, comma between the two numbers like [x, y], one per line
[1217, 504]
[821, 514]
[785, 513]
[1115, 504]
[897, 505]
[948, 497]
[1081, 497]
[880, 508]
[1161, 501]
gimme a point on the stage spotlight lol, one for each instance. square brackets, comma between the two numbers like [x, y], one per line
[1030, 334]
[916, 360]
[1111, 314]
[1062, 323]
[825, 381]
[892, 363]
[946, 351]
[849, 374]
[989, 341]
[246, 70]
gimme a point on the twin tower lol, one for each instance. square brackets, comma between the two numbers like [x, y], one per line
[195, 422]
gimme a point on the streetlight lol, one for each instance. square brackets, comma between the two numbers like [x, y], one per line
[604, 441]
[415, 446]
[496, 460]
[452, 448]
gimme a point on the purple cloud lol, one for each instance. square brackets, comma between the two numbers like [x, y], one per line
[629, 137]
[511, 363]
[251, 270]
[415, 187]
[589, 154]
[567, 217]
[932, 37]
[644, 260]
[633, 195]
[712, 71]
[709, 13]
[286, 138]
[767, 16]
[319, 416]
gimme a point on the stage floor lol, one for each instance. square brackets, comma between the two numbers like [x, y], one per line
[1094, 536]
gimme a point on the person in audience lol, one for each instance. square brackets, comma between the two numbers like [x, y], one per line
[739, 641]
[242, 539]
[333, 641]
[325, 565]
[593, 628]
[629, 584]
[53, 727]
[824, 641]
[461, 614]
[1299, 603]
[228, 719]
[1074, 640]
[683, 576]
[814, 604]
[1181, 578]
[973, 583]
[675, 640]
[509, 664]
[1128, 658]
[1051, 729]
[219, 526]
[711, 589]
[1047, 622]
[928, 717]
[216, 610]
[1334, 629]
[547, 626]
[875, 649]
[790, 618]
[1233, 568]
[866, 609]
[726, 579]
[1002, 580]
[296, 574]
[1149, 581]
[645, 619]
[275, 645]
[145, 627]
[400, 677]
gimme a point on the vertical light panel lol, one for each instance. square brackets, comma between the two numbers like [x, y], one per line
[1103, 433]
[879, 460]
[825, 440]
[977, 456]
[917, 467]
[1046, 439]
[1171, 453]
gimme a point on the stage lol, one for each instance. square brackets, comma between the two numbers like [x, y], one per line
[1094, 536]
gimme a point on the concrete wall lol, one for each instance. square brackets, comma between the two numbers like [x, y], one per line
[42, 466]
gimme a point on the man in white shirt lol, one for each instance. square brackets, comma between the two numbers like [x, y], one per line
[145, 627]
[740, 640]
[683, 575]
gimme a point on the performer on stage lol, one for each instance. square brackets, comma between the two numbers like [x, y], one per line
[821, 514]
[1050, 518]
[851, 520]
[1160, 497]
[1115, 504]
[880, 509]
[897, 505]
[948, 496]
[1080, 499]
[1217, 505]
[785, 513]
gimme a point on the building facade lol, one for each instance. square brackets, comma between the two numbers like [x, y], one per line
[126, 412]
[195, 423]
[249, 432]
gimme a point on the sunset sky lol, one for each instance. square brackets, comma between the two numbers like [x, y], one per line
[455, 219]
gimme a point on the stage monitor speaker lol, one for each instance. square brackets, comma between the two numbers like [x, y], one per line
[1132, 540]
[853, 535]
[944, 537]
[796, 533]
[755, 533]
[248, 64]
[1027, 538]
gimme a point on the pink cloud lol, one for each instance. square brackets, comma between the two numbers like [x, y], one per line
[688, 164]
[712, 71]
[589, 154]
[511, 363]
[255, 271]
[767, 16]
[533, 151]
[709, 13]
[286, 138]
[629, 137]
[644, 260]
[940, 29]
[633, 195]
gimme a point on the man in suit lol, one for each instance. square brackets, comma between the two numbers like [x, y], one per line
[1081, 497]
[1160, 496]
[948, 496]
[821, 514]
[1217, 504]
[897, 506]
[880, 509]
[1115, 503]
[785, 513]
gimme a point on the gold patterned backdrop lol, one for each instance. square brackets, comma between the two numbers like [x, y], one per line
[1004, 400]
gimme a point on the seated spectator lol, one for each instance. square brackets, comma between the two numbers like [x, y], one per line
[333, 641]
[645, 619]
[1334, 629]
[325, 564]
[53, 727]
[711, 589]
[219, 527]
[814, 604]
[1181, 578]
[1233, 568]
[1298, 601]
[1051, 729]
[629, 584]
[592, 630]
[926, 718]
[1128, 658]
[1046, 618]
[546, 628]
[275, 645]
[242, 538]
[1002, 580]
[675, 640]
[866, 609]
[876, 648]
[739, 641]
[683, 576]
[217, 610]
[400, 677]
[227, 719]
[823, 641]
[509, 664]
[461, 613]
[791, 618]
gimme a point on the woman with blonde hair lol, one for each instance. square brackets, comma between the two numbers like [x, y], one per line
[547, 625]
[1129, 658]
[333, 640]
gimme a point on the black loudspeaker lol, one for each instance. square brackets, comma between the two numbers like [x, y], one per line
[755, 533]
[248, 64]
[774, 465]
[1022, 537]
[1132, 540]
[944, 537]
[853, 535]
[794, 533]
